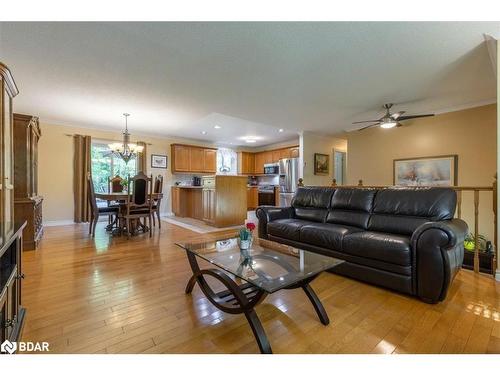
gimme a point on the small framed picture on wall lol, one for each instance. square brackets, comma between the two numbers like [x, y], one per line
[321, 164]
[159, 161]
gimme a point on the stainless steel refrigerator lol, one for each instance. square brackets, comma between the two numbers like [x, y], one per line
[289, 176]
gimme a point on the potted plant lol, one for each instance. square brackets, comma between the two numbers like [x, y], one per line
[245, 239]
[124, 183]
[470, 242]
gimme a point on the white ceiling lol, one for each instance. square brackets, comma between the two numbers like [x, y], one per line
[179, 79]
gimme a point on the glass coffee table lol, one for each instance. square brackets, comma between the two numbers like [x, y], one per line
[250, 275]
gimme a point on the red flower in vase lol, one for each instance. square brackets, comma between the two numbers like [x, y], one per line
[250, 226]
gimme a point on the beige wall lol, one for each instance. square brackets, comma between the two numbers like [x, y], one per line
[471, 134]
[56, 166]
[311, 143]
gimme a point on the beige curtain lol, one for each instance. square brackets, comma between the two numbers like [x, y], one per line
[142, 162]
[81, 166]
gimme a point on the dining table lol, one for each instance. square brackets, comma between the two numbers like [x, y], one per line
[117, 197]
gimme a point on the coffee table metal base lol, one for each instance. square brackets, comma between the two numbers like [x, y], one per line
[242, 298]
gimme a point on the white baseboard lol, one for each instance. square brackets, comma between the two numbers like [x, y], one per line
[166, 214]
[497, 275]
[56, 223]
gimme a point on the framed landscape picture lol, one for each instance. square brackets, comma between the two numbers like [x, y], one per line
[321, 164]
[426, 171]
[159, 161]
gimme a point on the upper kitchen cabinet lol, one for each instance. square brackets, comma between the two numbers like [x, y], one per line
[193, 159]
[246, 163]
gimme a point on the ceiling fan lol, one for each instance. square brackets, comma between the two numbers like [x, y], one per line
[389, 120]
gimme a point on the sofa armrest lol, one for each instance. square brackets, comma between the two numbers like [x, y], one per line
[266, 214]
[438, 253]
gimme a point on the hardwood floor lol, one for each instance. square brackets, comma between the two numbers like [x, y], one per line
[110, 295]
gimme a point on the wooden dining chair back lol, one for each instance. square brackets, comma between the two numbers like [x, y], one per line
[115, 184]
[158, 189]
[140, 200]
[95, 210]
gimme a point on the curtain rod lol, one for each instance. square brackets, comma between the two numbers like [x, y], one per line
[104, 139]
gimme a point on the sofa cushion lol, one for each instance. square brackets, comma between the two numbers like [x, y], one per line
[311, 203]
[326, 235]
[351, 207]
[391, 248]
[286, 228]
[402, 210]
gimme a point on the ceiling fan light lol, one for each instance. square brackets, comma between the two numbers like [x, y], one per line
[388, 124]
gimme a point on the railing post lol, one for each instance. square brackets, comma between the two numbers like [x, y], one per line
[459, 204]
[476, 231]
[334, 182]
[301, 182]
[495, 229]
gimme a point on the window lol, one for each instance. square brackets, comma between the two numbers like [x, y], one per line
[106, 165]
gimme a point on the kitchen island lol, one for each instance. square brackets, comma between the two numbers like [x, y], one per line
[221, 201]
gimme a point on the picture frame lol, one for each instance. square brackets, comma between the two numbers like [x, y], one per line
[158, 161]
[321, 164]
[441, 170]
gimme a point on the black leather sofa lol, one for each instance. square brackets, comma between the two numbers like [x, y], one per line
[400, 238]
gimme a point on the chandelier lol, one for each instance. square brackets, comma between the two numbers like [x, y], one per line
[125, 150]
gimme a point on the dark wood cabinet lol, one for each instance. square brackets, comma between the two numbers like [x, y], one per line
[27, 202]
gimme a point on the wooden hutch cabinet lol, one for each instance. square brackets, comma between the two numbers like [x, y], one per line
[11, 311]
[27, 202]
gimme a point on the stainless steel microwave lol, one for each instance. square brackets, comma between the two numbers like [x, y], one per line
[271, 168]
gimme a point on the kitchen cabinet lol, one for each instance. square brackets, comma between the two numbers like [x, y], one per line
[276, 156]
[180, 158]
[294, 152]
[209, 160]
[193, 159]
[252, 197]
[259, 162]
[285, 153]
[268, 157]
[209, 205]
[246, 163]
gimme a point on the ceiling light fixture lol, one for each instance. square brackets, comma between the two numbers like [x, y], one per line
[250, 140]
[388, 123]
[125, 150]
[217, 127]
[203, 132]
[281, 130]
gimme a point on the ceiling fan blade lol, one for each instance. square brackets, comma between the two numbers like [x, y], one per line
[362, 122]
[369, 126]
[396, 115]
[413, 116]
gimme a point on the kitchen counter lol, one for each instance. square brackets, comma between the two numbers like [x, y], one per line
[187, 187]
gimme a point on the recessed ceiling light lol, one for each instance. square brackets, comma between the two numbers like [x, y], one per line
[217, 127]
[203, 132]
[281, 130]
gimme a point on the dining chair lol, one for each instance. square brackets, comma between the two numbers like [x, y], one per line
[158, 189]
[139, 203]
[95, 210]
[115, 184]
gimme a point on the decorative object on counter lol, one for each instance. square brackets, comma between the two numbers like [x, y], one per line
[321, 164]
[427, 171]
[125, 150]
[159, 161]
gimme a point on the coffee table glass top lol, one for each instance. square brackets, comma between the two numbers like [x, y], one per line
[268, 265]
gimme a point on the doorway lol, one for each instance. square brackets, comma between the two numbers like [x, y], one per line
[339, 166]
